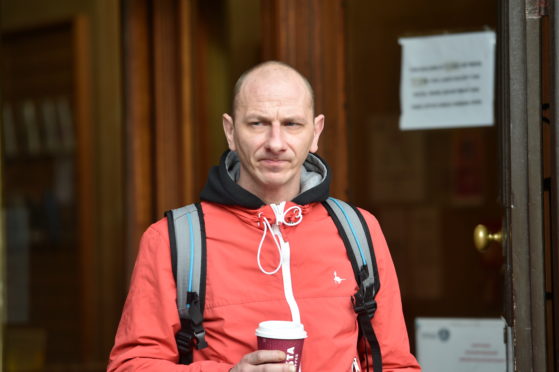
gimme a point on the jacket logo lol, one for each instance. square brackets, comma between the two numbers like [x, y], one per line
[337, 279]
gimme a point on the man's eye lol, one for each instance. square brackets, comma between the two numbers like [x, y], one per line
[255, 123]
[291, 124]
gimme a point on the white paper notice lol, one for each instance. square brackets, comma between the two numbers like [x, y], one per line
[447, 81]
[460, 344]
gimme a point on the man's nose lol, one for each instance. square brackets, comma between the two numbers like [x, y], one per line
[276, 140]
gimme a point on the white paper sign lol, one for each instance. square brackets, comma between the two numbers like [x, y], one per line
[460, 344]
[447, 81]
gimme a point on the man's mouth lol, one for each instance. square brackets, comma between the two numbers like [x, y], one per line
[273, 162]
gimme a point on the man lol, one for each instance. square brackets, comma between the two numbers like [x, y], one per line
[273, 252]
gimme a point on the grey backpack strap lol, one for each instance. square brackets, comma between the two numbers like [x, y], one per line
[355, 234]
[358, 238]
[188, 255]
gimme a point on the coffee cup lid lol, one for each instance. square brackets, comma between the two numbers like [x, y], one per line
[281, 329]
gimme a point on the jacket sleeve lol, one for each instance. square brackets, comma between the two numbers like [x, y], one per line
[388, 322]
[145, 338]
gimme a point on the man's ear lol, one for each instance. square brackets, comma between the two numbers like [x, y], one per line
[229, 129]
[318, 127]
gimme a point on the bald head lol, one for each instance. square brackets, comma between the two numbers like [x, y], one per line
[270, 71]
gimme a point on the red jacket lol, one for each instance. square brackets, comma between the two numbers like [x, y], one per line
[239, 295]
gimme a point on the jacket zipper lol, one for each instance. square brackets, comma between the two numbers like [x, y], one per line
[286, 274]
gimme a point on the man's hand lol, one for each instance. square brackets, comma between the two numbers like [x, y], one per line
[263, 361]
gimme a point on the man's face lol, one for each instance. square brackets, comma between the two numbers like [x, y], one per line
[273, 132]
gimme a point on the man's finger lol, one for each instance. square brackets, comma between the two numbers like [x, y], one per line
[265, 356]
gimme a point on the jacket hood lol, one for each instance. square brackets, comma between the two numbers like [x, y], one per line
[222, 188]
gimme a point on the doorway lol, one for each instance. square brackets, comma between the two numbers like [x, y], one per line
[61, 184]
[429, 188]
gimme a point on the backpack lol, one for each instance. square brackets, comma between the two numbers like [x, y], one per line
[187, 238]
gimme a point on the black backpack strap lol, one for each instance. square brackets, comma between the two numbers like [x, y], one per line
[187, 238]
[355, 234]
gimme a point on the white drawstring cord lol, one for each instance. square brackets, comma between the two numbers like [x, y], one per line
[280, 218]
[266, 228]
[298, 215]
[284, 251]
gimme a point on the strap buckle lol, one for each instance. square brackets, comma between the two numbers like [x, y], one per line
[197, 334]
[200, 337]
[184, 338]
[191, 335]
[364, 302]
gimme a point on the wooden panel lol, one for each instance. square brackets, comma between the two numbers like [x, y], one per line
[309, 35]
[159, 119]
[138, 117]
[202, 38]
[167, 97]
[554, 171]
[82, 83]
[189, 194]
[109, 155]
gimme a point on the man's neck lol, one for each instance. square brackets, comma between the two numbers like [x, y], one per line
[273, 195]
[276, 196]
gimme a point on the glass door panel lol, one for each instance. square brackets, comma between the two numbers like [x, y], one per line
[428, 188]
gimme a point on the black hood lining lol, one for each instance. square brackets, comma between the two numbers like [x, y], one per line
[221, 186]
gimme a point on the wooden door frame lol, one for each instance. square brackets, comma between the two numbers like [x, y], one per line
[3, 252]
[519, 92]
[554, 184]
[86, 197]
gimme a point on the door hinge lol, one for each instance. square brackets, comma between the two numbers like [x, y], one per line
[537, 8]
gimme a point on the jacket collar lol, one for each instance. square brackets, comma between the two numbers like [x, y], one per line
[221, 186]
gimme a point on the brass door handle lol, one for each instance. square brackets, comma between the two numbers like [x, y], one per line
[483, 238]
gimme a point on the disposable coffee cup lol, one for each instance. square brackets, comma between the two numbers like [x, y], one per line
[285, 336]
